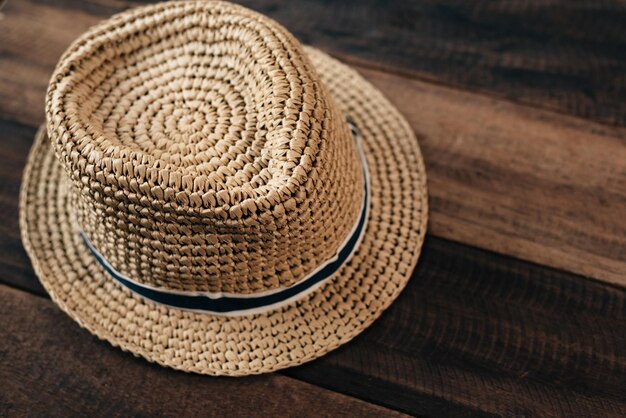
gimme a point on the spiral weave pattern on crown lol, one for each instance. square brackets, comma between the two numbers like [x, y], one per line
[202, 151]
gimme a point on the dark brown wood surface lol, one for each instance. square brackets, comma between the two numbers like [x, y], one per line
[561, 55]
[44, 375]
[519, 108]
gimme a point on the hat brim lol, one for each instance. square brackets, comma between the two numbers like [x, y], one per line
[215, 345]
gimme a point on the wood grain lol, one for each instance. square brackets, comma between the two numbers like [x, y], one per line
[520, 181]
[15, 141]
[558, 55]
[475, 333]
[48, 369]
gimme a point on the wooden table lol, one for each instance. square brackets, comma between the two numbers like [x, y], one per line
[517, 306]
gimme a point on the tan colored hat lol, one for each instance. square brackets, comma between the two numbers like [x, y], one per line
[216, 198]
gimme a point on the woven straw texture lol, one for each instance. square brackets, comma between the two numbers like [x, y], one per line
[200, 147]
[203, 150]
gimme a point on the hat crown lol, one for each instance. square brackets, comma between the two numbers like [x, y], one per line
[203, 151]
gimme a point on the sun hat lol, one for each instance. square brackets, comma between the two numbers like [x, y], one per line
[214, 197]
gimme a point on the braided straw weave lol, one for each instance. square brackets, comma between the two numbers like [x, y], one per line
[201, 148]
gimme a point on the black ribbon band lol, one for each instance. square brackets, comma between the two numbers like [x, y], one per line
[231, 304]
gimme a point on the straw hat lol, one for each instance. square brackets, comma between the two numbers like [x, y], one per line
[216, 198]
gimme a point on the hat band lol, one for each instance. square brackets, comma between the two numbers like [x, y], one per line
[230, 304]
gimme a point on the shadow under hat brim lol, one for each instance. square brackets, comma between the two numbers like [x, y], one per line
[215, 345]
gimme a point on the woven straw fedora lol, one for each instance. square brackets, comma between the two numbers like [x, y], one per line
[212, 196]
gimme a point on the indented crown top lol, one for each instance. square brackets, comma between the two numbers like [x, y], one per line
[202, 149]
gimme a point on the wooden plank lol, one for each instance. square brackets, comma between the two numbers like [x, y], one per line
[561, 55]
[15, 268]
[475, 333]
[32, 39]
[52, 368]
[529, 183]
[520, 181]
